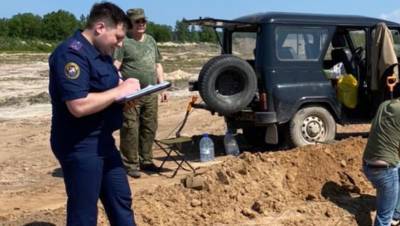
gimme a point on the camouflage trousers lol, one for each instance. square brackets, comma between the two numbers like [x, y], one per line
[138, 132]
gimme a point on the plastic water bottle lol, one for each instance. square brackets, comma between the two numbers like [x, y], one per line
[206, 148]
[230, 144]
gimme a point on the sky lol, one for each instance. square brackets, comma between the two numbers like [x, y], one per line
[169, 11]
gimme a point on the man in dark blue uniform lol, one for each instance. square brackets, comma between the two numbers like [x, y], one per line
[83, 86]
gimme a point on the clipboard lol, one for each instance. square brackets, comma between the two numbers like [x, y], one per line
[145, 91]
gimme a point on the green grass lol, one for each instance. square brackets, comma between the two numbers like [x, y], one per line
[11, 45]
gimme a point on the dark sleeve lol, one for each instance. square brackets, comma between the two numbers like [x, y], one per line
[72, 75]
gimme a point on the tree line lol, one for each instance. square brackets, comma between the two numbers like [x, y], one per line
[58, 25]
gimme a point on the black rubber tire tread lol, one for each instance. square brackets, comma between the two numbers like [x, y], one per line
[226, 105]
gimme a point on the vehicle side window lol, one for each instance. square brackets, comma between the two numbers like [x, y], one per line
[300, 43]
[396, 41]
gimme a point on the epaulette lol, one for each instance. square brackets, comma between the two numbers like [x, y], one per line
[76, 45]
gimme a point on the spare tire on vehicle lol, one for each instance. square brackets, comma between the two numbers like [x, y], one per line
[227, 84]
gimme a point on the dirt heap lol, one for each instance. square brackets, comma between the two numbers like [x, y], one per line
[313, 185]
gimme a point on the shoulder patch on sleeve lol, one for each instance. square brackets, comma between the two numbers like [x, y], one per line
[76, 45]
[72, 70]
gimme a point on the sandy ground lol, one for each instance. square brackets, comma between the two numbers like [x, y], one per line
[313, 185]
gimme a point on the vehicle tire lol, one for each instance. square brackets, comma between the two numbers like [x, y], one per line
[311, 125]
[227, 84]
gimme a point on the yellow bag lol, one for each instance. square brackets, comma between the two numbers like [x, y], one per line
[347, 88]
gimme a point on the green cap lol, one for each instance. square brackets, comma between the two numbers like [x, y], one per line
[136, 14]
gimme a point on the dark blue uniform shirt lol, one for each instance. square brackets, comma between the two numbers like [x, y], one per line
[77, 69]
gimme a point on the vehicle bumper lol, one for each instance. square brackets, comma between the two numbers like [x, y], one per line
[265, 117]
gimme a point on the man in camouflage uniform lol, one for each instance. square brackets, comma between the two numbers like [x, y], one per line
[139, 58]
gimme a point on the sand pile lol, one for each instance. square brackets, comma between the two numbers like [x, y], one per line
[260, 185]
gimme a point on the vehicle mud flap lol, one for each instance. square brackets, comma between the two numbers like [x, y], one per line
[271, 134]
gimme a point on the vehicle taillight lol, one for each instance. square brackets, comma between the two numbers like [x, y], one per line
[263, 101]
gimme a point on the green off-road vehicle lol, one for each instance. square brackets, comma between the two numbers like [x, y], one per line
[270, 80]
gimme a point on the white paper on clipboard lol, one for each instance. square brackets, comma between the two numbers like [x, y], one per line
[145, 91]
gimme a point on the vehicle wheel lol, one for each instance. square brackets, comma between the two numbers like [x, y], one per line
[311, 125]
[227, 84]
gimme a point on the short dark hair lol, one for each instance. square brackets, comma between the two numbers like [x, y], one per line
[109, 13]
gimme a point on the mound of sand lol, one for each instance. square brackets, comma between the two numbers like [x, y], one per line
[263, 186]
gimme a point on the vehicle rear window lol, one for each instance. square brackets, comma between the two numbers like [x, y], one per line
[244, 44]
[300, 43]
